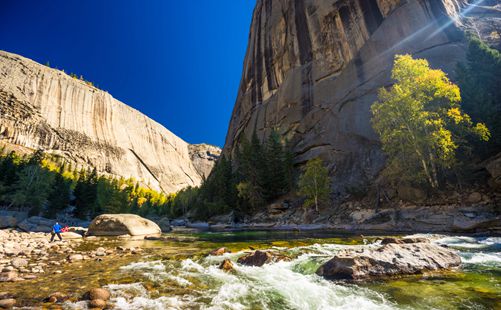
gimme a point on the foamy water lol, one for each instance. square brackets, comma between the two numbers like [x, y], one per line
[282, 285]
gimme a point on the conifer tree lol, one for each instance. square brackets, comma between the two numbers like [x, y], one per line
[480, 79]
[276, 182]
[59, 197]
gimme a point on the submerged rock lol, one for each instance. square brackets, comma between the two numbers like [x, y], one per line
[388, 260]
[219, 252]
[56, 297]
[97, 303]
[7, 303]
[123, 224]
[259, 258]
[226, 265]
[98, 293]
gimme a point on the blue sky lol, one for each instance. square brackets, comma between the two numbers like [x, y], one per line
[177, 61]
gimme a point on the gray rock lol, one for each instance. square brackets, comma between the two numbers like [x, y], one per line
[179, 222]
[71, 235]
[203, 157]
[10, 219]
[75, 257]
[78, 126]
[259, 258]
[389, 260]
[164, 224]
[7, 303]
[37, 224]
[8, 276]
[19, 262]
[123, 224]
[494, 168]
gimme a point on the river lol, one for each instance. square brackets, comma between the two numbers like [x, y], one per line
[177, 274]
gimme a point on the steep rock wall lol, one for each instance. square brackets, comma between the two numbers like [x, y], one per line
[45, 108]
[313, 68]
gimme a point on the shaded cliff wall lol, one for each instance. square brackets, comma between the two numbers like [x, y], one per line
[313, 68]
[45, 108]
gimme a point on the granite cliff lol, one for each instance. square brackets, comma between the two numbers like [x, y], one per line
[44, 108]
[313, 68]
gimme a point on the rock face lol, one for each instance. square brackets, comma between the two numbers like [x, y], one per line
[44, 108]
[389, 260]
[313, 68]
[122, 224]
[203, 157]
[494, 168]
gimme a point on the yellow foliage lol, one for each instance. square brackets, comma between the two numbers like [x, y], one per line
[413, 119]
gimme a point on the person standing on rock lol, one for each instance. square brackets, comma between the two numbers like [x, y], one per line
[56, 230]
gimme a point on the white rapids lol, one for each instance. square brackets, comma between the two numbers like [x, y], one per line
[282, 285]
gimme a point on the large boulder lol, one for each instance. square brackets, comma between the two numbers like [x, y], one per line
[259, 258]
[37, 224]
[164, 224]
[10, 219]
[388, 260]
[123, 224]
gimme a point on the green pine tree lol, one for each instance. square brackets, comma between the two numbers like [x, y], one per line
[59, 197]
[480, 79]
[32, 188]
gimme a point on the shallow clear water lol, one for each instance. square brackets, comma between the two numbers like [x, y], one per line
[177, 274]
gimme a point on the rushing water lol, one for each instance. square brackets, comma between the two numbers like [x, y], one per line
[178, 275]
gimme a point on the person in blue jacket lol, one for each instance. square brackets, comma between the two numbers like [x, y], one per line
[56, 230]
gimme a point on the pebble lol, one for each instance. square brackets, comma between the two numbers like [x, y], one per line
[7, 303]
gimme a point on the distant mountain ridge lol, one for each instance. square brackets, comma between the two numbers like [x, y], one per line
[44, 108]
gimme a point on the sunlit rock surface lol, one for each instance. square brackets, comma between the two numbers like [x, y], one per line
[122, 224]
[45, 108]
[389, 260]
[313, 69]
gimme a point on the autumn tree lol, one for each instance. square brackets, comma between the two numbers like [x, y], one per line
[420, 121]
[314, 183]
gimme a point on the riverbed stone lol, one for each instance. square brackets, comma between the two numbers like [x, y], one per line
[56, 297]
[7, 303]
[71, 235]
[75, 257]
[123, 224]
[97, 303]
[19, 262]
[98, 293]
[219, 252]
[226, 265]
[389, 260]
[8, 276]
[259, 258]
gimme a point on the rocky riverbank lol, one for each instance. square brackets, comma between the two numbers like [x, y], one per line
[26, 256]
